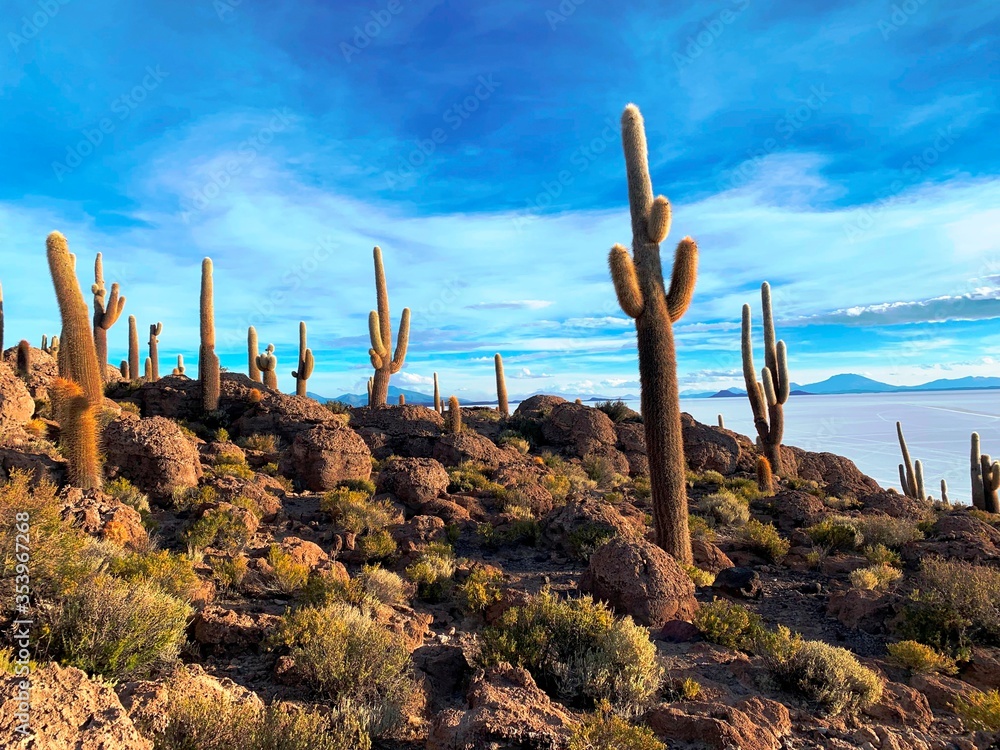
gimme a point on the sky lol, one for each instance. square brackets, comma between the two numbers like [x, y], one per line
[847, 154]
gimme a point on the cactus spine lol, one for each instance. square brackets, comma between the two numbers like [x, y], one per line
[306, 363]
[154, 351]
[638, 281]
[907, 473]
[179, 370]
[252, 354]
[767, 397]
[765, 478]
[985, 479]
[208, 361]
[437, 395]
[502, 405]
[453, 417]
[267, 363]
[78, 432]
[385, 363]
[23, 358]
[105, 315]
[133, 347]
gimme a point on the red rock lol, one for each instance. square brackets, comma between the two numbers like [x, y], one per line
[151, 453]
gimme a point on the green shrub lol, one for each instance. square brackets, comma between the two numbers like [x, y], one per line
[355, 510]
[728, 624]
[763, 539]
[117, 629]
[291, 576]
[221, 527]
[828, 676]
[470, 476]
[746, 489]
[980, 711]
[515, 440]
[888, 531]
[576, 651]
[698, 576]
[879, 554]
[433, 572]
[586, 539]
[343, 654]
[480, 589]
[917, 657]
[124, 491]
[875, 577]
[954, 604]
[724, 508]
[641, 486]
[231, 465]
[221, 435]
[619, 411]
[380, 584]
[190, 498]
[174, 574]
[601, 470]
[229, 572]
[261, 442]
[604, 730]
[699, 528]
[378, 545]
[558, 486]
[338, 407]
[836, 535]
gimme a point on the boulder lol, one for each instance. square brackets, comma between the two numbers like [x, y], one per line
[219, 626]
[708, 557]
[793, 509]
[453, 449]
[276, 413]
[303, 552]
[583, 522]
[413, 481]
[409, 431]
[265, 491]
[901, 706]
[750, 724]
[104, 517]
[43, 371]
[68, 710]
[840, 475]
[507, 711]
[16, 404]
[891, 503]
[739, 583]
[41, 466]
[580, 430]
[151, 453]
[638, 578]
[322, 456]
[709, 448]
[957, 536]
[632, 443]
[446, 671]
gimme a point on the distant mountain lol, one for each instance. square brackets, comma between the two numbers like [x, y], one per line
[729, 393]
[850, 383]
[958, 384]
[846, 384]
[352, 399]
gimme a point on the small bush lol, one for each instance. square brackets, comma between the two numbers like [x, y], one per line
[172, 573]
[231, 465]
[576, 651]
[480, 589]
[261, 442]
[470, 477]
[117, 629]
[619, 411]
[289, 575]
[980, 711]
[836, 535]
[229, 572]
[377, 546]
[683, 690]
[879, 554]
[917, 657]
[829, 676]
[380, 584]
[221, 435]
[641, 486]
[190, 498]
[746, 489]
[698, 576]
[699, 528]
[356, 511]
[585, 540]
[728, 624]
[124, 491]
[888, 531]
[515, 440]
[724, 508]
[875, 578]
[221, 527]
[558, 486]
[763, 539]
[338, 407]
[604, 730]
[433, 572]
[343, 654]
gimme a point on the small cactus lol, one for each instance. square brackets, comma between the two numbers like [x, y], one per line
[369, 391]
[385, 362]
[252, 354]
[267, 363]
[402, 400]
[437, 395]
[944, 493]
[453, 417]
[78, 432]
[768, 396]
[147, 373]
[765, 478]
[179, 370]
[23, 358]
[133, 347]
[154, 351]
[306, 363]
[105, 314]
[918, 478]
[722, 422]
[502, 405]
[208, 361]
[123, 369]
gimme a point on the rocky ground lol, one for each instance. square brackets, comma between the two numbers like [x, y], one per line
[256, 499]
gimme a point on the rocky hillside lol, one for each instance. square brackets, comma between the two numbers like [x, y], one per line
[281, 574]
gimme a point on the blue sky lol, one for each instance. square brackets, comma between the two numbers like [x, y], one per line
[848, 155]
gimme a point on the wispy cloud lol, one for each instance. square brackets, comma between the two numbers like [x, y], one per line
[521, 304]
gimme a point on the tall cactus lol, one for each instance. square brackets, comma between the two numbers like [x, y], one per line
[369, 391]
[985, 478]
[23, 358]
[502, 405]
[252, 354]
[918, 481]
[437, 395]
[944, 492]
[907, 472]
[77, 348]
[179, 370]
[154, 350]
[133, 347]
[147, 372]
[767, 397]
[208, 361]
[123, 369]
[453, 417]
[306, 363]
[1, 317]
[638, 281]
[267, 363]
[105, 314]
[402, 399]
[722, 423]
[383, 360]
[78, 432]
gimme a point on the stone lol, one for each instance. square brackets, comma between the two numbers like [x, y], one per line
[324, 455]
[152, 453]
[413, 481]
[739, 583]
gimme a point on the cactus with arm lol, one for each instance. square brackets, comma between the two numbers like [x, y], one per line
[385, 362]
[306, 363]
[105, 314]
[639, 285]
[267, 363]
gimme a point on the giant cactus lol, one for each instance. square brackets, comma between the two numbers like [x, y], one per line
[133, 347]
[638, 281]
[105, 314]
[78, 432]
[208, 361]
[502, 405]
[1, 317]
[154, 350]
[267, 363]
[252, 354]
[437, 395]
[985, 479]
[306, 363]
[383, 360]
[768, 397]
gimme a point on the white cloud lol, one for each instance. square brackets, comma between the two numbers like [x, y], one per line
[521, 304]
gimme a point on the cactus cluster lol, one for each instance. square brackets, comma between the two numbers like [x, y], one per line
[106, 314]
[767, 396]
[306, 362]
[985, 478]
[267, 363]
[208, 362]
[911, 474]
[385, 362]
[179, 370]
[639, 285]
